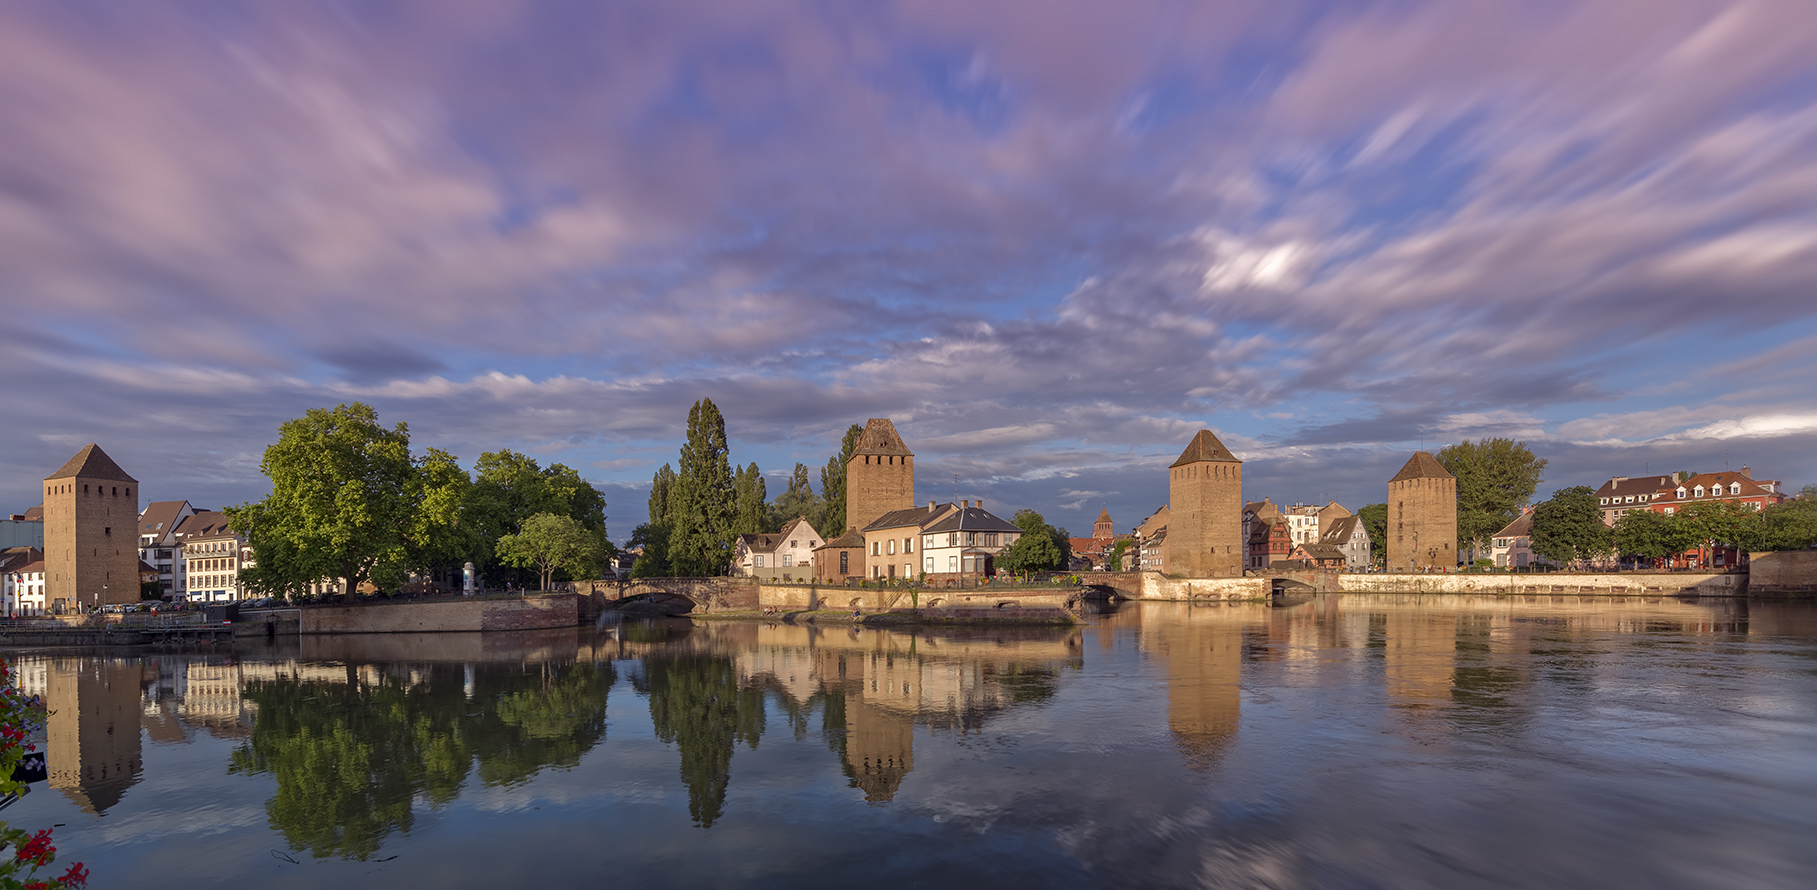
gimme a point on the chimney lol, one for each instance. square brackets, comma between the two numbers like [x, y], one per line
[965, 505]
[980, 504]
[1746, 473]
[930, 506]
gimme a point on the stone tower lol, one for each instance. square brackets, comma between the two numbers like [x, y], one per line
[880, 476]
[91, 542]
[1422, 515]
[1103, 529]
[1205, 500]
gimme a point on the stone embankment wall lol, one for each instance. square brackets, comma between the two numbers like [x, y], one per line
[721, 594]
[806, 597]
[1785, 572]
[1572, 584]
[459, 614]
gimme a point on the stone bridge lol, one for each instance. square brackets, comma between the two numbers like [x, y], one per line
[722, 594]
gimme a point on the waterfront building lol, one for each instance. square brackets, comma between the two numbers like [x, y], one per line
[91, 556]
[22, 581]
[1350, 535]
[1205, 496]
[1512, 547]
[158, 545]
[1422, 516]
[1151, 539]
[1623, 493]
[213, 557]
[1732, 487]
[840, 559]
[787, 555]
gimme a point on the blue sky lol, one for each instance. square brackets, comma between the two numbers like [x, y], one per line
[1048, 239]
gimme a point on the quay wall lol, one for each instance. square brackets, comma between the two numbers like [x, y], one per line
[812, 597]
[1553, 583]
[459, 614]
[1793, 571]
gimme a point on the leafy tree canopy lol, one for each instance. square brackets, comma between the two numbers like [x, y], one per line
[1568, 527]
[1052, 555]
[1496, 478]
[509, 488]
[702, 503]
[831, 523]
[551, 542]
[796, 501]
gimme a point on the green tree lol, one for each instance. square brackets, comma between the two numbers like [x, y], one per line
[549, 542]
[750, 510]
[1054, 554]
[1643, 534]
[653, 536]
[702, 503]
[1375, 519]
[1716, 523]
[439, 534]
[697, 704]
[1033, 552]
[1496, 478]
[342, 502]
[1115, 561]
[831, 522]
[798, 500]
[1568, 527]
[509, 488]
[1791, 525]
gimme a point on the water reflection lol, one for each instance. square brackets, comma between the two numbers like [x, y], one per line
[1417, 741]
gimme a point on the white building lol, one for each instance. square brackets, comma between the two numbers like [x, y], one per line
[213, 556]
[158, 545]
[787, 555]
[22, 582]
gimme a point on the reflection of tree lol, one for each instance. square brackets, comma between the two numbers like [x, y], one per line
[696, 703]
[349, 757]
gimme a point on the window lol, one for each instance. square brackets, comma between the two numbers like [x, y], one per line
[927, 541]
[952, 563]
[876, 548]
[892, 543]
[1734, 488]
[1698, 491]
[788, 560]
[930, 565]
[1681, 493]
[990, 539]
[952, 540]
[908, 545]
[794, 544]
[758, 560]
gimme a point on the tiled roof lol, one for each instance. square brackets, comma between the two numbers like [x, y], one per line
[204, 525]
[760, 543]
[160, 517]
[91, 463]
[1104, 515]
[35, 514]
[1204, 446]
[1322, 551]
[1339, 530]
[850, 540]
[1749, 486]
[1622, 486]
[1521, 527]
[1422, 466]
[880, 437]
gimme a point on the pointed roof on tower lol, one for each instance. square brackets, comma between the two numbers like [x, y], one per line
[1104, 515]
[880, 437]
[1204, 446]
[91, 463]
[1422, 466]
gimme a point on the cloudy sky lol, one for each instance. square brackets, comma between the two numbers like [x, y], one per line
[1050, 239]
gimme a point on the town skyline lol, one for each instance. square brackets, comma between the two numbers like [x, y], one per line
[1048, 254]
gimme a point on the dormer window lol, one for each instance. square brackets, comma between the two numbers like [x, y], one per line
[1604, 501]
[1698, 491]
[1681, 492]
[1734, 488]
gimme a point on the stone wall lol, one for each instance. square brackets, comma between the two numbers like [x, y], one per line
[802, 597]
[876, 484]
[1783, 572]
[1156, 586]
[1575, 584]
[458, 614]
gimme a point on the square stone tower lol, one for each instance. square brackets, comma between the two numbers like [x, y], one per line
[91, 540]
[1205, 500]
[1422, 515]
[880, 477]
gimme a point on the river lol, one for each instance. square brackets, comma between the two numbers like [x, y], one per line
[1408, 742]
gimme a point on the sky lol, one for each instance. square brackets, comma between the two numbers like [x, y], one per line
[1050, 240]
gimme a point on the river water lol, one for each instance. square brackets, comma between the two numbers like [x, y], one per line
[1434, 741]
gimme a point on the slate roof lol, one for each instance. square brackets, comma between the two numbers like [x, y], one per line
[1204, 446]
[1422, 465]
[1321, 551]
[761, 543]
[970, 519]
[13, 557]
[899, 518]
[1521, 527]
[880, 437]
[91, 463]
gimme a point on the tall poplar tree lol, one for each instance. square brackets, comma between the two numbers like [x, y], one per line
[701, 507]
[653, 536]
[749, 495]
[796, 501]
[831, 522]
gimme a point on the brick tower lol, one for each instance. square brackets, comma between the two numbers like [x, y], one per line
[1103, 529]
[1205, 500]
[880, 476]
[1422, 515]
[91, 543]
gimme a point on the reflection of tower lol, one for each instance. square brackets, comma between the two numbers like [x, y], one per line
[879, 748]
[93, 731]
[1420, 655]
[1422, 515]
[91, 540]
[1203, 648]
[880, 476]
[1205, 503]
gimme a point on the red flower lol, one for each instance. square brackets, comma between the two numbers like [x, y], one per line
[77, 876]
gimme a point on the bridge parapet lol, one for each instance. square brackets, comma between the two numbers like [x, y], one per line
[720, 594]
